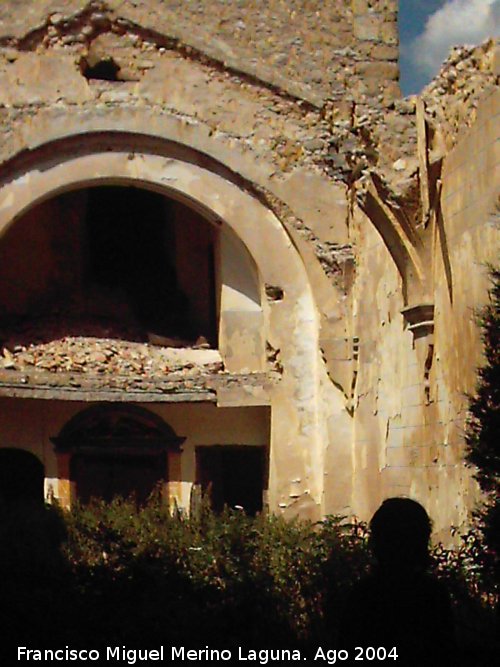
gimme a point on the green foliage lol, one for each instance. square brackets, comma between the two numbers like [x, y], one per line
[484, 426]
[149, 575]
[466, 571]
[483, 433]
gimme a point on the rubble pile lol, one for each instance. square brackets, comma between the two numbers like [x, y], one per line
[111, 368]
[63, 345]
[78, 354]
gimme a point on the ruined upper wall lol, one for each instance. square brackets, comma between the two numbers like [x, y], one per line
[313, 49]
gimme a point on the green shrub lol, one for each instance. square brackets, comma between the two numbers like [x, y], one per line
[482, 437]
[234, 578]
[148, 576]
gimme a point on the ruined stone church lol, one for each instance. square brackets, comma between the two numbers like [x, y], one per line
[234, 259]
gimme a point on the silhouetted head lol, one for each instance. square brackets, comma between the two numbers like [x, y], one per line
[400, 533]
[21, 478]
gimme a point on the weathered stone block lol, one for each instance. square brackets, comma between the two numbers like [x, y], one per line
[367, 87]
[360, 6]
[368, 27]
[385, 52]
[389, 32]
[391, 92]
[378, 70]
[42, 78]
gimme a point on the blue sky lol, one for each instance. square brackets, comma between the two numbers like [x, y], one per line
[429, 28]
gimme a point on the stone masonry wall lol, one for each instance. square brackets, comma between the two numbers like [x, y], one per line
[410, 404]
[312, 49]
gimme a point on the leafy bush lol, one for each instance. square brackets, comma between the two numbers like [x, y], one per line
[260, 581]
[146, 577]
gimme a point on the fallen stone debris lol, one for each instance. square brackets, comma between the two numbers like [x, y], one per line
[43, 356]
[80, 354]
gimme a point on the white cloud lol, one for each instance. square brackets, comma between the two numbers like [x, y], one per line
[456, 22]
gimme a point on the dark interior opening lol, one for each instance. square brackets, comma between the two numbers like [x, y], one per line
[130, 249]
[102, 70]
[113, 262]
[232, 476]
[109, 474]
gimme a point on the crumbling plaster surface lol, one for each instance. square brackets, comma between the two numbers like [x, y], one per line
[410, 399]
[355, 43]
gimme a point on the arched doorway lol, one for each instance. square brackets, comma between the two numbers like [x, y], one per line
[117, 451]
[246, 318]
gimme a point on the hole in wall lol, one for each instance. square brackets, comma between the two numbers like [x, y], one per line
[104, 69]
[274, 292]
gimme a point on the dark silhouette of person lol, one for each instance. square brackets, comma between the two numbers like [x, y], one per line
[399, 606]
[33, 573]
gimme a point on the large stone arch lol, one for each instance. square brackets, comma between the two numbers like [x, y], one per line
[304, 201]
[56, 132]
[166, 133]
[213, 195]
[293, 327]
